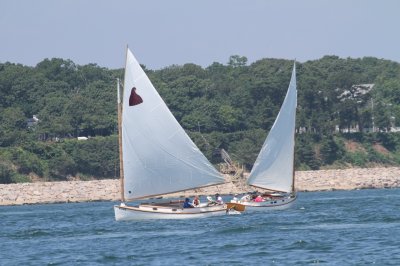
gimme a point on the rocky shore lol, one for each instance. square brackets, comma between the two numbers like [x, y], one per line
[109, 189]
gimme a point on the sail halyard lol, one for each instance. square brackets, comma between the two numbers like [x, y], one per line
[158, 156]
[274, 166]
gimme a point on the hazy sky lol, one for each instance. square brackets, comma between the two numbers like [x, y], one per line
[165, 32]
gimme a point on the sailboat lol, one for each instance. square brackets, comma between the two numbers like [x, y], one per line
[273, 169]
[157, 157]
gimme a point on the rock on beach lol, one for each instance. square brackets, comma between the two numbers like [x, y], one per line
[109, 189]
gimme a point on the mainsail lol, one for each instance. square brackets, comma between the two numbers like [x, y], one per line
[158, 156]
[274, 167]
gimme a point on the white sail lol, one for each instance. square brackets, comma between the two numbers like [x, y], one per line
[273, 168]
[158, 156]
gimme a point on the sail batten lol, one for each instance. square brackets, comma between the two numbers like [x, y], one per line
[159, 157]
[274, 166]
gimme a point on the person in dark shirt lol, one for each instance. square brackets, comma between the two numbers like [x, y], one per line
[187, 204]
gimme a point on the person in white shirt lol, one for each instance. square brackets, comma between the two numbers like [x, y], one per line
[218, 198]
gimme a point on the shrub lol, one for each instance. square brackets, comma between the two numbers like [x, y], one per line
[28, 162]
[356, 158]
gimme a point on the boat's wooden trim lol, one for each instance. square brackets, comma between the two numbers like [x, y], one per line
[235, 206]
[163, 202]
[133, 208]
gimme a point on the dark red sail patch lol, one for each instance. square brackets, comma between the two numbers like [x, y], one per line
[134, 99]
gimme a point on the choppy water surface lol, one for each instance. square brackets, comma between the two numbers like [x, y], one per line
[331, 228]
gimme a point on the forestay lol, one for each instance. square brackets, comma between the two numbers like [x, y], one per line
[273, 168]
[158, 156]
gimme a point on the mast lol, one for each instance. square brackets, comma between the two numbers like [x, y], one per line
[121, 163]
[293, 180]
[294, 132]
[293, 172]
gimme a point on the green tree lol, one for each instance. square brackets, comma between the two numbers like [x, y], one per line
[12, 126]
[237, 61]
[330, 151]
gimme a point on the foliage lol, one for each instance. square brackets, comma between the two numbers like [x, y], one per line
[330, 150]
[97, 157]
[28, 162]
[305, 152]
[230, 107]
[8, 171]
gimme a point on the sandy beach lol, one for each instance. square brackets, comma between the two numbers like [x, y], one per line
[109, 189]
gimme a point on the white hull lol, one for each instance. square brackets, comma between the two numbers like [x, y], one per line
[147, 212]
[270, 205]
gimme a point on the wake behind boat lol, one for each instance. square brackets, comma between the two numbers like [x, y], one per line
[274, 166]
[157, 157]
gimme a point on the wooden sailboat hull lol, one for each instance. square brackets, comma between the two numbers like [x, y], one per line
[147, 212]
[271, 205]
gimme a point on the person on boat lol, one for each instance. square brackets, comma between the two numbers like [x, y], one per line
[235, 199]
[211, 201]
[218, 198]
[266, 196]
[245, 198]
[196, 202]
[187, 204]
[258, 199]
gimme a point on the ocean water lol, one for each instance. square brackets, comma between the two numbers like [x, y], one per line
[328, 228]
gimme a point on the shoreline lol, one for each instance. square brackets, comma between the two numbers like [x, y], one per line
[109, 189]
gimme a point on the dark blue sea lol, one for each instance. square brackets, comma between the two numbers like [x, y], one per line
[329, 228]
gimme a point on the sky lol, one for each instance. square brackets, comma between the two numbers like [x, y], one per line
[162, 33]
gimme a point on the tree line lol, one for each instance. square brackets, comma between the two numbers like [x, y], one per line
[223, 106]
